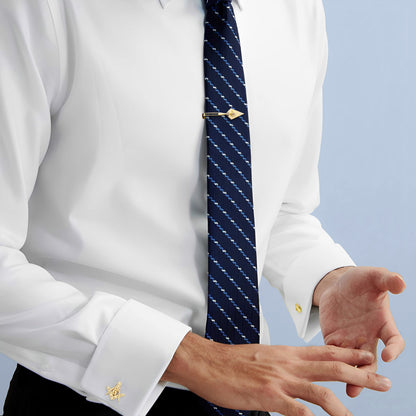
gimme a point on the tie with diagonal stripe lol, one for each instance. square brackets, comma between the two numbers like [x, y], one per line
[233, 305]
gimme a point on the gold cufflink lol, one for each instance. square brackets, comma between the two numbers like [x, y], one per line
[231, 114]
[298, 308]
[114, 392]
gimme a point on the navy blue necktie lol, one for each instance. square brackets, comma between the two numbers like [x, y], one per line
[233, 305]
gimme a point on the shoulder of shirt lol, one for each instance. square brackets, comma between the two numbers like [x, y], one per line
[28, 25]
[26, 14]
[21, 7]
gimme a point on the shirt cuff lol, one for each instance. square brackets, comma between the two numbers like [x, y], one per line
[302, 278]
[131, 357]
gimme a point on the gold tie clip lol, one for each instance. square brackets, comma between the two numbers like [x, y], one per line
[231, 114]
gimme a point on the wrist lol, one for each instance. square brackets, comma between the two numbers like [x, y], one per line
[328, 281]
[188, 359]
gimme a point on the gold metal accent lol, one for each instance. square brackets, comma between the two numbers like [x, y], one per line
[298, 308]
[114, 392]
[231, 114]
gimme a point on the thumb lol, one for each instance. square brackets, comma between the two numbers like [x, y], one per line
[384, 280]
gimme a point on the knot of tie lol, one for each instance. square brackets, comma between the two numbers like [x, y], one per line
[215, 3]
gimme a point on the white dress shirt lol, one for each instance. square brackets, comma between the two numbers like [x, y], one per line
[103, 229]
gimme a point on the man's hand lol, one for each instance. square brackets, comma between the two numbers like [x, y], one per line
[270, 378]
[354, 312]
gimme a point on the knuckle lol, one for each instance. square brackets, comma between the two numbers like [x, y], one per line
[291, 387]
[328, 348]
[310, 389]
[301, 411]
[297, 409]
[378, 272]
[336, 369]
[268, 390]
[332, 352]
[361, 357]
[374, 272]
[272, 389]
[370, 378]
[332, 348]
[325, 395]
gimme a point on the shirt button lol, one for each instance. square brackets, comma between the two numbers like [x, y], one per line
[298, 308]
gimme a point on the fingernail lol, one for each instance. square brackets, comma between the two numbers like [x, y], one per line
[385, 383]
[401, 278]
[393, 357]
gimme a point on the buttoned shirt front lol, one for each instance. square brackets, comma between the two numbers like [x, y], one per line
[103, 228]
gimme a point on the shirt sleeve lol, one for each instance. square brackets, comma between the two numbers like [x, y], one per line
[86, 343]
[300, 252]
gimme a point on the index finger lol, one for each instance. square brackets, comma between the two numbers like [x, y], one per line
[393, 341]
[332, 353]
[337, 371]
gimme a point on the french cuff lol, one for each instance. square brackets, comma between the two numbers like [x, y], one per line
[131, 357]
[301, 280]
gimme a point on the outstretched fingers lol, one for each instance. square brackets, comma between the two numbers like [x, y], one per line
[322, 397]
[333, 353]
[293, 408]
[338, 371]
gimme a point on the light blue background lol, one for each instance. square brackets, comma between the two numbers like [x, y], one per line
[368, 174]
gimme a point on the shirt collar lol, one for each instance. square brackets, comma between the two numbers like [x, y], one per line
[165, 3]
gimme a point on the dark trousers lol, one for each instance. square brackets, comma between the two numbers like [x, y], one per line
[32, 395]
